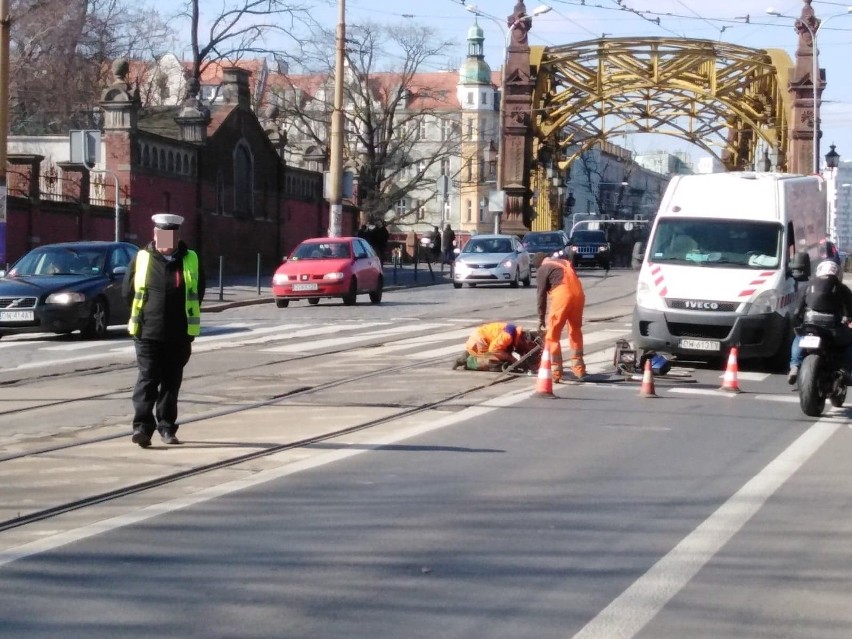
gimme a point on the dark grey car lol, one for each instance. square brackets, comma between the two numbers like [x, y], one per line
[61, 288]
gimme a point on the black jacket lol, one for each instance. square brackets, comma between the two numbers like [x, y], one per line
[163, 316]
[826, 295]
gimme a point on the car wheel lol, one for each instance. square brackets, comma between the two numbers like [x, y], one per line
[376, 296]
[282, 303]
[516, 279]
[96, 326]
[349, 298]
[605, 265]
[457, 285]
[527, 281]
[313, 301]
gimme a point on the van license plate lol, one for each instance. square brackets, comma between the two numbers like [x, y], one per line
[701, 344]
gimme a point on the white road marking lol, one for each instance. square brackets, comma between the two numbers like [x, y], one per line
[748, 376]
[787, 399]
[349, 339]
[53, 542]
[630, 612]
[702, 391]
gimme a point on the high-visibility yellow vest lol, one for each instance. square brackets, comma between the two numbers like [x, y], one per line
[190, 279]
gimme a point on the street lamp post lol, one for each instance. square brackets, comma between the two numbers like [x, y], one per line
[814, 71]
[539, 10]
[335, 165]
[832, 160]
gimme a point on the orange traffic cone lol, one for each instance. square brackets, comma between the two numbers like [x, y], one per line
[729, 381]
[647, 388]
[544, 383]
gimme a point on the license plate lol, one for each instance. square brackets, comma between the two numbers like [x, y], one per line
[701, 344]
[305, 287]
[481, 272]
[809, 341]
[17, 316]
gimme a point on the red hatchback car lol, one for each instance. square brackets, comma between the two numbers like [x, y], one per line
[329, 267]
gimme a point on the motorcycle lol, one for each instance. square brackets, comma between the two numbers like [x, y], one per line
[822, 374]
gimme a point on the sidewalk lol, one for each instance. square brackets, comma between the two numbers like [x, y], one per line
[244, 290]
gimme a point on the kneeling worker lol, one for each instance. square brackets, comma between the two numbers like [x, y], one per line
[493, 345]
[558, 282]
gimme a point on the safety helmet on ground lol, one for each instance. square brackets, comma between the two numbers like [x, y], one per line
[826, 268]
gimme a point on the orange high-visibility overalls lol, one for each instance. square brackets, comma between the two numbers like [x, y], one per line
[566, 302]
[491, 344]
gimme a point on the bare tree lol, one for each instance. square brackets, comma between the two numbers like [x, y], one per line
[246, 27]
[61, 51]
[400, 130]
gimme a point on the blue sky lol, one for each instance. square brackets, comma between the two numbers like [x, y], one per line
[576, 20]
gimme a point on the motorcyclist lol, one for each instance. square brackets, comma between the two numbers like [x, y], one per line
[825, 293]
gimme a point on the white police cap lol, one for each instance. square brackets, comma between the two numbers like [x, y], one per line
[167, 221]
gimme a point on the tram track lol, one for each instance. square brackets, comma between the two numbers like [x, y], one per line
[298, 393]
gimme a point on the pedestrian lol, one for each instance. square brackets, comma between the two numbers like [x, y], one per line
[381, 239]
[448, 245]
[435, 245]
[493, 345]
[164, 286]
[560, 289]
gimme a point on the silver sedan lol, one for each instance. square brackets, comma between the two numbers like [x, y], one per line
[492, 259]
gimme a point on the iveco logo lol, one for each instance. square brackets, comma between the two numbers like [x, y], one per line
[701, 306]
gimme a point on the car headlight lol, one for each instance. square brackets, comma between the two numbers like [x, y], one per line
[602, 249]
[573, 249]
[280, 278]
[65, 297]
[647, 297]
[766, 302]
[510, 263]
[336, 276]
[461, 267]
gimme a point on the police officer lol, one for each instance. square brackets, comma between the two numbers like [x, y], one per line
[164, 286]
[561, 301]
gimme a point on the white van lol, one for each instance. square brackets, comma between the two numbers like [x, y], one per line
[716, 268]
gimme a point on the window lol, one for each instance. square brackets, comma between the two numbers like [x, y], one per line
[470, 128]
[446, 129]
[421, 167]
[401, 207]
[470, 97]
[445, 166]
[243, 180]
[481, 169]
[421, 131]
[484, 97]
[469, 169]
[469, 208]
[482, 210]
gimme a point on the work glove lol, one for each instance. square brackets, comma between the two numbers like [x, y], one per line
[542, 328]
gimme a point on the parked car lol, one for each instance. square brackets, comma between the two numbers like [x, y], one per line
[320, 267]
[492, 259]
[61, 288]
[542, 244]
[590, 248]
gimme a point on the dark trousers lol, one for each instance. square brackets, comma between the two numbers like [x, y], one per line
[155, 395]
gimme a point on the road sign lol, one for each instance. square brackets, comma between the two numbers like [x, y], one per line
[85, 147]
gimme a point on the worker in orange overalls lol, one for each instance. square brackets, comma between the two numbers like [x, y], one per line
[493, 345]
[558, 282]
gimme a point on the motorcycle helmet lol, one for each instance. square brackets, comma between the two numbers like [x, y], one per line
[827, 268]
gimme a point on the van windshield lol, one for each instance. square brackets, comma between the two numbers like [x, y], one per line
[724, 243]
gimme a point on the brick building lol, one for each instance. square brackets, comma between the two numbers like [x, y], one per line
[214, 164]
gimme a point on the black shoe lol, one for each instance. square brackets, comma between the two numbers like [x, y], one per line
[169, 438]
[140, 438]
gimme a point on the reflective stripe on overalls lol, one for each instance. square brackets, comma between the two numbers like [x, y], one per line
[190, 279]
